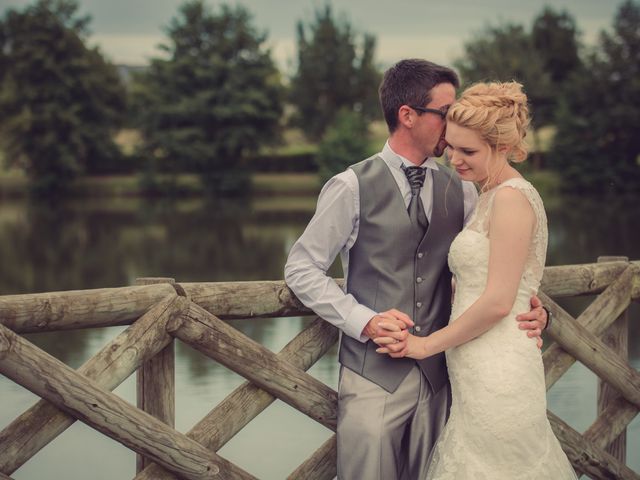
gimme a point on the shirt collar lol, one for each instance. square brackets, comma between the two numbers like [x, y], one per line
[395, 160]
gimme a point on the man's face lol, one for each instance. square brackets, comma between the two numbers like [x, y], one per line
[430, 127]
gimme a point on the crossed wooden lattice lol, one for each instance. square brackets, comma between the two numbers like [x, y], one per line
[183, 312]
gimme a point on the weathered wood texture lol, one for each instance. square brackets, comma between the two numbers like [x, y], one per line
[211, 336]
[43, 422]
[155, 382]
[596, 318]
[247, 401]
[584, 279]
[70, 391]
[322, 465]
[616, 337]
[599, 358]
[611, 422]
[587, 457]
[228, 300]
[44, 312]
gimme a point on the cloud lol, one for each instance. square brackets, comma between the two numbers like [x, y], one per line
[129, 49]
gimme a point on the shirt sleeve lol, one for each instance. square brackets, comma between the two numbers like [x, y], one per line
[470, 194]
[328, 232]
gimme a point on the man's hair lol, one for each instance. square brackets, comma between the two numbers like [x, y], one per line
[409, 82]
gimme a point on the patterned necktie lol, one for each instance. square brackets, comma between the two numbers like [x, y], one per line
[417, 215]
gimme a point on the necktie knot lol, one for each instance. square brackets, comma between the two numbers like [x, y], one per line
[415, 175]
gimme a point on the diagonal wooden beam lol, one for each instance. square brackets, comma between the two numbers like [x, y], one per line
[322, 465]
[587, 457]
[40, 424]
[70, 391]
[598, 357]
[248, 400]
[596, 318]
[611, 422]
[213, 337]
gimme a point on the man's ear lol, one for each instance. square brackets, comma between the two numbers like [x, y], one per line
[406, 116]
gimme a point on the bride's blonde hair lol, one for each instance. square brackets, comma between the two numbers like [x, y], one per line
[498, 112]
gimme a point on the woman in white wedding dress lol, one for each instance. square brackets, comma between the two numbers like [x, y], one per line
[497, 428]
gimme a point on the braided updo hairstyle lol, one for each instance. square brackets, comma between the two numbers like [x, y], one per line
[498, 112]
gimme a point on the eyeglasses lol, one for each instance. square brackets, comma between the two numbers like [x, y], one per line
[442, 113]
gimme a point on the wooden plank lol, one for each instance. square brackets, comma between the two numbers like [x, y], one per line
[248, 401]
[70, 391]
[43, 422]
[596, 319]
[322, 465]
[213, 337]
[155, 382]
[586, 457]
[582, 279]
[229, 300]
[611, 422]
[594, 354]
[615, 337]
[44, 312]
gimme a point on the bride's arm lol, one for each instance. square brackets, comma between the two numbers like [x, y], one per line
[511, 229]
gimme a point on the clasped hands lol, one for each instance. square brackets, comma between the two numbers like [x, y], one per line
[390, 331]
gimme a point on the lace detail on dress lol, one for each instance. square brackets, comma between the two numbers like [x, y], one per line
[498, 428]
[480, 222]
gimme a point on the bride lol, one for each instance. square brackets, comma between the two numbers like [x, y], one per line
[497, 428]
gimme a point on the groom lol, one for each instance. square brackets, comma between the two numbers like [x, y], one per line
[392, 218]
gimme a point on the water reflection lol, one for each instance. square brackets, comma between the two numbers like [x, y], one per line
[94, 244]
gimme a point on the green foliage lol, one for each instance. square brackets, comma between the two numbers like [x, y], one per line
[214, 101]
[555, 39]
[541, 59]
[506, 53]
[334, 72]
[344, 143]
[59, 100]
[597, 146]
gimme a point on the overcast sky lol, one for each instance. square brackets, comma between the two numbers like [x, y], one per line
[128, 31]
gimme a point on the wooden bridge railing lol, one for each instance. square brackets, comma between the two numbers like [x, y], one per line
[160, 310]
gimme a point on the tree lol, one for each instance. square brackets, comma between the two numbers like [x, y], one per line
[597, 147]
[334, 73]
[214, 101]
[556, 39]
[59, 101]
[505, 53]
[344, 143]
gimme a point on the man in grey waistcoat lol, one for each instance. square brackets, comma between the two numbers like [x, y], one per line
[392, 218]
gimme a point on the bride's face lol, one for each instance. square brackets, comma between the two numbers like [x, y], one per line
[470, 156]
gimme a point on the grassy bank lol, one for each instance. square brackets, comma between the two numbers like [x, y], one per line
[14, 184]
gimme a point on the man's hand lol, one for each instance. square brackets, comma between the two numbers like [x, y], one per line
[534, 320]
[394, 318]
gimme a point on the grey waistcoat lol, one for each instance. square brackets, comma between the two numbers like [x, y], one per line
[390, 266]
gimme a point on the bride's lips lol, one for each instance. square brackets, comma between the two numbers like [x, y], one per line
[462, 170]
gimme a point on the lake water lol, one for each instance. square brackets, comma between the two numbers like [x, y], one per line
[98, 243]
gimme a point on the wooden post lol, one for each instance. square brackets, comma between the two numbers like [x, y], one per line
[155, 382]
[616, 337]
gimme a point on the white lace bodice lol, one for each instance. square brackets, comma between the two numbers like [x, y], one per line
[498, 428]
[469, 253]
